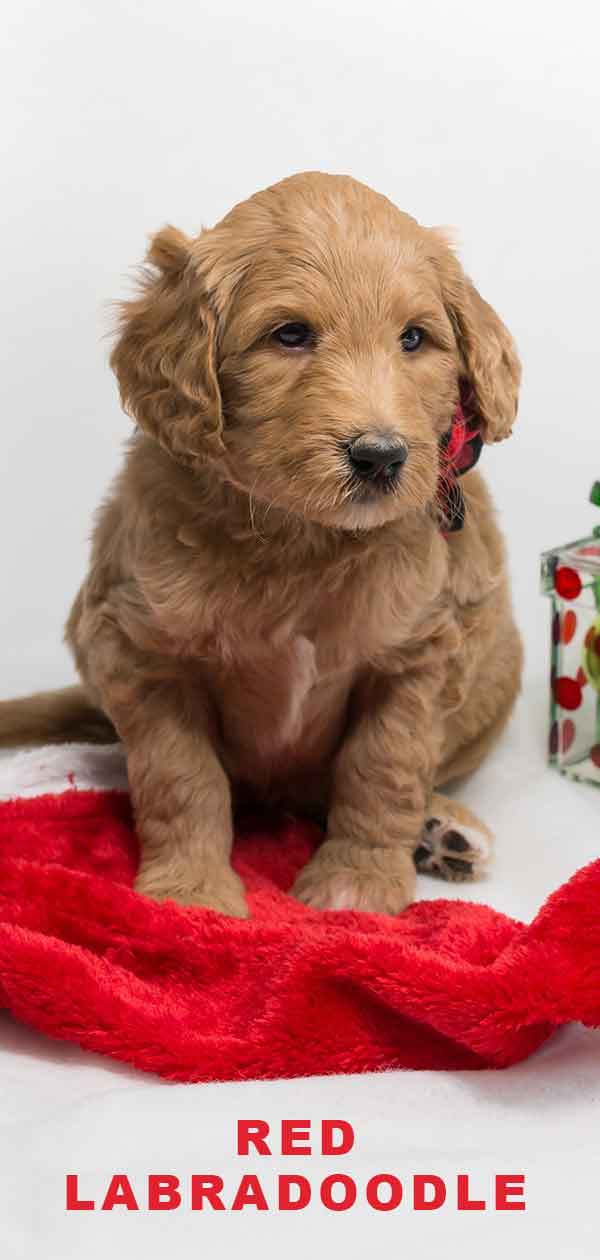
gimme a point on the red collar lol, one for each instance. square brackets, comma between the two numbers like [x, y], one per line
[460, 448]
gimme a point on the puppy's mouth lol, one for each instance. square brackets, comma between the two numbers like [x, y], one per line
[366, 503]
[372, 490]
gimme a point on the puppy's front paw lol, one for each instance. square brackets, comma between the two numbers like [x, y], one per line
[217, 889]
[378, 881]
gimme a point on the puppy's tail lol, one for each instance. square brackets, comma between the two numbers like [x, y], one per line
[53, 717]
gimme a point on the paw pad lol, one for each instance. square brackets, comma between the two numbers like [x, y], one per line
[456, 842]
[442, 841]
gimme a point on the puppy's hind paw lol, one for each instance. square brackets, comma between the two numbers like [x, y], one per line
[453, 849]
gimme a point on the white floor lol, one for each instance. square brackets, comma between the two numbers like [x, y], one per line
[65, 1111]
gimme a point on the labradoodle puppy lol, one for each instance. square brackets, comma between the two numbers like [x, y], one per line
[291, 593]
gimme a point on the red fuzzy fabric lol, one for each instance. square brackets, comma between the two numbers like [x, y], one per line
[196, 996]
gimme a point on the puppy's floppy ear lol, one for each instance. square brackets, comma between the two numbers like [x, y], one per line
[165, 354]
[488, 352]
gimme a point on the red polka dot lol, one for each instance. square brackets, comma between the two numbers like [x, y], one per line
[590, 636]
[567, 582]
[581, 677]
[595, 755]
[567, 734]
[567, 692]
[569, 626]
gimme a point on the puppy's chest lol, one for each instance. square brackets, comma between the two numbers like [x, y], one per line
[279, 712]
[283, 661]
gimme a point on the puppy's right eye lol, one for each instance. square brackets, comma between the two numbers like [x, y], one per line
[293, 336]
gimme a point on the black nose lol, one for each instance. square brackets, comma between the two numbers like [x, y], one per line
[376, 457]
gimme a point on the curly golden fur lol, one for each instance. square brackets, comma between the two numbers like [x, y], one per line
[254, 619]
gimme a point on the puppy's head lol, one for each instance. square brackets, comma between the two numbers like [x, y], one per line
[310, 349]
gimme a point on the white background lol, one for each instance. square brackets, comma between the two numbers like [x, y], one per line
[116, 118]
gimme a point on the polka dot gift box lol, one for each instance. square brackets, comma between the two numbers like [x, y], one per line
[571, 578]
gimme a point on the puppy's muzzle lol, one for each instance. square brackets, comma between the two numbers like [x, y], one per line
[377, 458]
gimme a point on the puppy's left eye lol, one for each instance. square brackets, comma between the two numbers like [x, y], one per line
[293, 336]
[412, 338]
